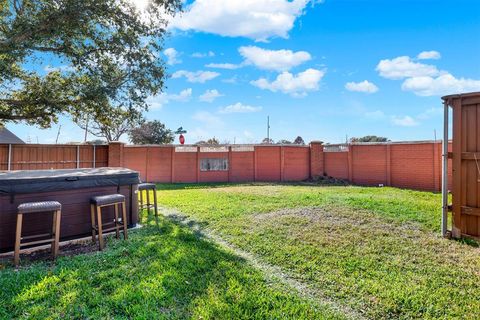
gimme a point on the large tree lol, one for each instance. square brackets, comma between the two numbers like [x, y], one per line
[151, 132]
[110, 123]
[106, 54]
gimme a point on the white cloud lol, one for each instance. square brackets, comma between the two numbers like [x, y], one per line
[210, 95]
[196, 77]
[364, 86]
[203, 55]
[159, 101]
[441, 85]
[404, 67]
[229, 66]
[208, 119]
[278, 60]
[172, 56]
[430, 113]
[296, 85]
[425, 55]
[231, 80]
[254, 19]
[405, 121]
[424, 79]
[239, 108]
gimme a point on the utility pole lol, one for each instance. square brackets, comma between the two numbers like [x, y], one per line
[58, 134]
[268, 129]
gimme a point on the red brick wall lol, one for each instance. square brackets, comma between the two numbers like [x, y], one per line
[268, 163]
[135, 158]
[413, 166]
[296, 163]
[416, 165]
[242, 166]
[159, 165]
[185, 167]
[369, 166]
[336, 164]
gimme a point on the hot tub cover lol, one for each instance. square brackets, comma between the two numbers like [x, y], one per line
[23, 181]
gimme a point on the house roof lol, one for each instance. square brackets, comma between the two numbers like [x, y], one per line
[7, 137]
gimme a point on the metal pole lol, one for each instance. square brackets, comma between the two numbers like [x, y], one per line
[268, 129]
[78, 157]
[445, 170]
[9, 157]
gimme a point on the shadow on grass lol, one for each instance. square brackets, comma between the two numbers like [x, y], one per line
[162, 271]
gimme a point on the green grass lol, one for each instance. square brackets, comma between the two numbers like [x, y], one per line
[375, 250]
[163, 271]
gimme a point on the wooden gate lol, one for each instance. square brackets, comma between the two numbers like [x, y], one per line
[466, 164]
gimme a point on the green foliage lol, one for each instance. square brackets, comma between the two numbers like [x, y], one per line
[180, 131]
[110, 122]
[212, 141]
[299, 140]
[284, 141]
[369, 139]
[151, 132]
[108, 47]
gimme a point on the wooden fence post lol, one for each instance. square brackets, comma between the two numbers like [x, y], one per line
[9, 161]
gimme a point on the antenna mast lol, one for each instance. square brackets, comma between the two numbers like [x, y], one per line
[268, 129]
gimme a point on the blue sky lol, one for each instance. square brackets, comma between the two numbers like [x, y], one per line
[321, 70]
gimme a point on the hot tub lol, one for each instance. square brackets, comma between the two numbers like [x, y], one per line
[73, 188]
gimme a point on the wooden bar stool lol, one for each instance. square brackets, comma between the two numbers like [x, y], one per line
[147, 187]
[53, 237]
[96, 205]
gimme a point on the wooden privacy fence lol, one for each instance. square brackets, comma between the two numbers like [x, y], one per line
[466, 163]
[38, 156]
[415, 165]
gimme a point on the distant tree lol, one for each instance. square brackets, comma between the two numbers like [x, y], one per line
[267, 141]
[111, 125]
[283, 141]
[151, 132]
[299, 140]
[180, 131]
[211, 141]
[369, 139]
[97, 142]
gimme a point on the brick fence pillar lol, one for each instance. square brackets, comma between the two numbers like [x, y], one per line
[115, 154]
[317, 166]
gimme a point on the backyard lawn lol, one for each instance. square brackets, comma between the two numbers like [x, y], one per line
[374, 251]
[263, 251]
